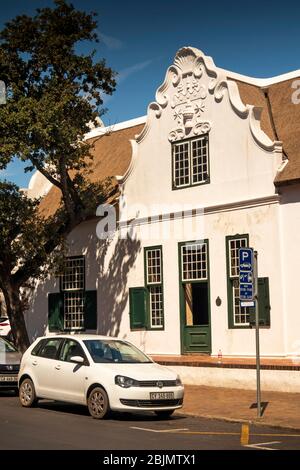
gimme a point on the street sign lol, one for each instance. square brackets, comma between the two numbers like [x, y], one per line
[249, 297]
[246, 276]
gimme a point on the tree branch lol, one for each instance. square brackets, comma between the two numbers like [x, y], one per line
[47, 175]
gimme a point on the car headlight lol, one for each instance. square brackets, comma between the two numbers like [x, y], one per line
[178, 380]
[125, 382]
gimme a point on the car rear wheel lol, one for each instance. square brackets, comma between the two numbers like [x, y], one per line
[164, 414]
[98, 403]
[27, 393]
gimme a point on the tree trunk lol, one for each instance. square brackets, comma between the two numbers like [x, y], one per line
[15, 312]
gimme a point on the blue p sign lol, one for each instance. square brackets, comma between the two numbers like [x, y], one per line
[246, 274]
[246, 259]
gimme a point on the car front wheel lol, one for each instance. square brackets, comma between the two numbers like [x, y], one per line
[27, 393]
[98, 403]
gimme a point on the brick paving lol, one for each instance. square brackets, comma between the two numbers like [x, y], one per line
[283, 409]
[198, 360]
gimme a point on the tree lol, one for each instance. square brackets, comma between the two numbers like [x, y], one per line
[53, 93]
[23, 239]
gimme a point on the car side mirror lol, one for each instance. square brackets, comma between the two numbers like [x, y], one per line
[77, 359]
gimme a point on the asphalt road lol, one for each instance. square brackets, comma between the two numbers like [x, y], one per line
[59, 426]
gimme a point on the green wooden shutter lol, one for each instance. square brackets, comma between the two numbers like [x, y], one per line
[138, 302]
[56, 312]
[90, 310]
[264, 301]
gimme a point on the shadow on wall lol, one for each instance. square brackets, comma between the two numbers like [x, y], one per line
[36, 316]
[107, 265]
[113, 291]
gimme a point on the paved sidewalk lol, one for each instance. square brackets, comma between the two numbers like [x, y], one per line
[204, 360]
[283, 409]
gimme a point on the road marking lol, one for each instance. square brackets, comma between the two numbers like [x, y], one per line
[159, 430]
[186, 431]
[245, 434]
[261, 445]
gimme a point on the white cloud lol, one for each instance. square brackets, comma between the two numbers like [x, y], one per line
[111, 42]
[128, 71]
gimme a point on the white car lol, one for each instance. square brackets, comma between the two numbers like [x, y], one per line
[5, 329]
[98, 371]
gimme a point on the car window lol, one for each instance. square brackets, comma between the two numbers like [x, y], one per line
[50, 348]
[115, 351]
[35, 351]
[6, 346]
[70, 348]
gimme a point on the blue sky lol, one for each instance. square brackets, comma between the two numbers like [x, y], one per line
[140, 39]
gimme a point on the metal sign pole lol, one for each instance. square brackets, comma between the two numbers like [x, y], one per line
[258, 391]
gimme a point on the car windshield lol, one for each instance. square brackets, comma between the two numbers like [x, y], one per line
[6, 346]
[111, 351]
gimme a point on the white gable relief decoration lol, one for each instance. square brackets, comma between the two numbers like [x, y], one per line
[186, 95]
[188, 101]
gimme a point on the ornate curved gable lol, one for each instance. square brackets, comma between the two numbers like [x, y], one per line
[188, 83]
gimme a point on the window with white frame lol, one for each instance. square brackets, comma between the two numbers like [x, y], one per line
[194, 261]
[72, 286]
[73, 277]
[241, 315]
[74, 310]
[190, 162]
[154, 283]
[153, 261]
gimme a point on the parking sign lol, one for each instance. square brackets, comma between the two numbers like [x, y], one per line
[246, 264]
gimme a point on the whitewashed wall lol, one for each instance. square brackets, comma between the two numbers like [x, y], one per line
[243, 164]
[290, 261]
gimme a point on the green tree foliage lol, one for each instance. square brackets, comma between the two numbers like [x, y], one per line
[24, 235]
[53, 94]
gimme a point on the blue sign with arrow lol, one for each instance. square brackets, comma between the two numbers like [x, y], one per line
[246, 265]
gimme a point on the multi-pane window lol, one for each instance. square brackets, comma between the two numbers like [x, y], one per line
[153, 270]
[199, 149]
[154, 283]
[190, 162]
[72, 285]
[241, 315]
[194, 261]
[181, 164]
[73, 277]
[74, 310]
[156, 306]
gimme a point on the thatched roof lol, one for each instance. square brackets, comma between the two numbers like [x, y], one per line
[111, 157]
[280, 121]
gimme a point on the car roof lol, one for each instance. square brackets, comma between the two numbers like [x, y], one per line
[80, 337]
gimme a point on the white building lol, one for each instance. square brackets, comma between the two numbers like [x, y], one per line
[223, 148]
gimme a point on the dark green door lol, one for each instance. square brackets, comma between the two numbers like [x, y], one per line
[194, 298]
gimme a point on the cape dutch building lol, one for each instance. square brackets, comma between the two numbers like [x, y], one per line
[214, 166]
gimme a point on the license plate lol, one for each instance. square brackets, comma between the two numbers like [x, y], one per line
[8, 379]
[161, 395]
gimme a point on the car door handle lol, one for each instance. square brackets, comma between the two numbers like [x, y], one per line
[57, 367]
[34, 363]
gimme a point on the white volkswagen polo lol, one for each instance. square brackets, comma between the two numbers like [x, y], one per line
[98, 371]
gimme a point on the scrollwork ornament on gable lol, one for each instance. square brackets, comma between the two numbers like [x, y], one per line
[200, 128]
